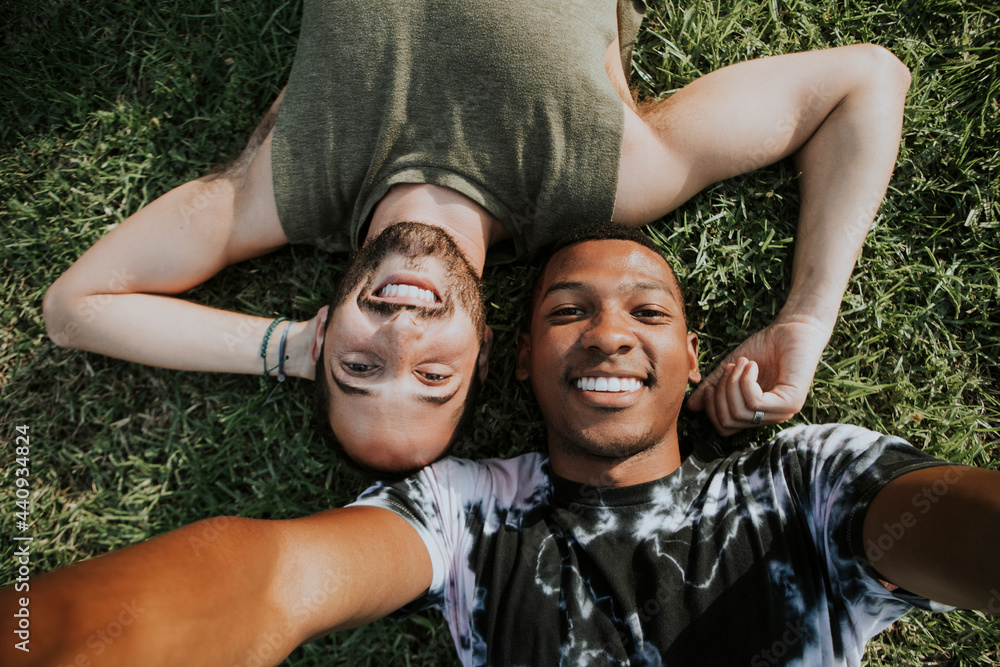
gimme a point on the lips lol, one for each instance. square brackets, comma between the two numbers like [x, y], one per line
[409, 290]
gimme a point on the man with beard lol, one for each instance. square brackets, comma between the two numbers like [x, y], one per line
[615, 550]
[504, 125]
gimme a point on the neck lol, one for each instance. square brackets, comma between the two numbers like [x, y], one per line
[469, 224]
[652, 463]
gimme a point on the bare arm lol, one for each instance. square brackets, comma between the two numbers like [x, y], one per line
[113, 300]
[839, 113]
[218, 590]
[936, 533]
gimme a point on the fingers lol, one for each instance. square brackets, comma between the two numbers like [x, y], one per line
[737, 400]
[699, 398]
[717, 402]
[730, 407]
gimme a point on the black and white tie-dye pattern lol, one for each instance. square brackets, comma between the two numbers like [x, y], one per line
[744, 560]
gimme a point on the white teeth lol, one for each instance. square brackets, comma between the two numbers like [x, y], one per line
[408, 292]
[608, 384]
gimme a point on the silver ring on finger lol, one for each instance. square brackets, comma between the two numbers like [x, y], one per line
[757, 417]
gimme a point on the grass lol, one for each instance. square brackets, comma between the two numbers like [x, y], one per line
[108, 106]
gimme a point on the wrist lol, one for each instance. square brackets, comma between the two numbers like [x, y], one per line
[817, 311]
[299, 351]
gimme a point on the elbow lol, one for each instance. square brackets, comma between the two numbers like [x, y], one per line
[887, 71]
[61, 323]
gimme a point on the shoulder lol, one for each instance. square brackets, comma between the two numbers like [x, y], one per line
[833, 471]
[459, 483]
[835, 450]
[505, 482]
[815, 463]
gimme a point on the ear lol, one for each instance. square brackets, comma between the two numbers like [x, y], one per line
[523, 371]
[319, 333]
[694, 373]
[483, 363]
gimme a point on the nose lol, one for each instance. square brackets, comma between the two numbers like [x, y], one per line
[610, 333]
[403, 327]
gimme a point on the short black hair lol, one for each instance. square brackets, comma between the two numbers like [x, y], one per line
[599, 231]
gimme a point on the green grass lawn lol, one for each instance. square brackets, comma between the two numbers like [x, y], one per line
[107, 106]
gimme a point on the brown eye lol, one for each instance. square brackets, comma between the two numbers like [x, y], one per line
[354, 367]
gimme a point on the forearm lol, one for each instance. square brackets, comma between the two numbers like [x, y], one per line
[171, 333]
[111, 299]
[936, 532]
[198, 596]
[845, 170]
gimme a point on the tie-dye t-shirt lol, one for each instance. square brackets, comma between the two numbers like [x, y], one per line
[753, 559]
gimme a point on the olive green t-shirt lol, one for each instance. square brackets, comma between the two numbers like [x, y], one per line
[504, 101]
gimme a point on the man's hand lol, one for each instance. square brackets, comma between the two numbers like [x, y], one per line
[770, 372]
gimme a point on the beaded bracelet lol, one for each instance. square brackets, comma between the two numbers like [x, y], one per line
[267, 340]
[281, 359]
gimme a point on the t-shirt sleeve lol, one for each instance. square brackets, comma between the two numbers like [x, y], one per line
[431, 501]
[451, 504]
[843, 468]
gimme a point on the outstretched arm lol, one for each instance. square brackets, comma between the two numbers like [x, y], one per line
[936, 532]
[113, 300]
[219, 590]
[839, 113]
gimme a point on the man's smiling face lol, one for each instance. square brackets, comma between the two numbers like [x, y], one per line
[608, 354]
[403, 342]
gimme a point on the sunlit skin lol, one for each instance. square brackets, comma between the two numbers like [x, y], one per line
[407, 374]
[610, 309]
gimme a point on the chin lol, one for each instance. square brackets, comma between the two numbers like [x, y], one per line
[612, 445]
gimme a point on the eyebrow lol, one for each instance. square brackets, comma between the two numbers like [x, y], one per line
[361, 391]
[646, 285]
